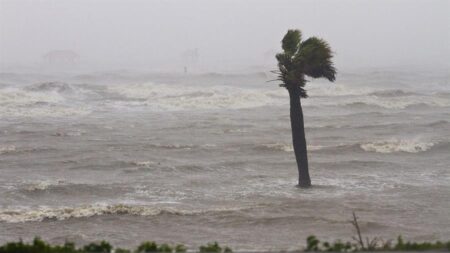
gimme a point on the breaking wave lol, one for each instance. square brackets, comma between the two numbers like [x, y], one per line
[43, 185]
[58, 99]
[349, 90]
[174, 97]
[7, 149]
[172, 146]
[59, 188]
[63, 213]
[392, 146]
[22, 97]
[145, 164]
[392, 93]
[276, 147]
[58, 87]
[22, 150]
[385, 146]
[398, 102]
[40, 100]
[286, 147]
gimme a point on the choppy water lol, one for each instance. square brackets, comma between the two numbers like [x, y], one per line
[190, 159]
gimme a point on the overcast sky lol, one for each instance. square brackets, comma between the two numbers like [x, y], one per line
[130, 33]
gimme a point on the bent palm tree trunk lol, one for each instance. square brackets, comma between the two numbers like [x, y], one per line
[298, 138]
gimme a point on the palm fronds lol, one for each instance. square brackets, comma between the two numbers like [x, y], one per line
[311, 57]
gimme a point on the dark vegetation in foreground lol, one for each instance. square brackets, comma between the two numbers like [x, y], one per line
[313, 245]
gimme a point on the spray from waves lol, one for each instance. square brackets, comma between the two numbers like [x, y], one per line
[175, 97]
[163, 97]
[348, 95]
[394, 145]
[62, 213]
[57, 99]
[47, 99]
[384, 146]
[399, 102]
[328, 90]
[44, 213]
[392, 93]
[58, 87]
[337, 90]
[22, 97]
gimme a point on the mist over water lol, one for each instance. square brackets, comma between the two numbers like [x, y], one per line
[227, 35]
[166, 126]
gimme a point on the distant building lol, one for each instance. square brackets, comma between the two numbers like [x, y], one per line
[61, 56]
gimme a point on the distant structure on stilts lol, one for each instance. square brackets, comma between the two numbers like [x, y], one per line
[190, 58]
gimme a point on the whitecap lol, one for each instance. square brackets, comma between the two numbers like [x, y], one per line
[163, 97]
[43, 185]
[288, 147]
[400, 102]
[15, 102]
[7, 149]
[62, 213]
[395, 145]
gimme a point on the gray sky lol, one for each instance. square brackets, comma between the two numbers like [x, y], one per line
[232, 33]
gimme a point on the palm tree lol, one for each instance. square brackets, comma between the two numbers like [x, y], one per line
[299, 59]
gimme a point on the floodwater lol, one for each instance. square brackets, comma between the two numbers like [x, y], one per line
[128, 157]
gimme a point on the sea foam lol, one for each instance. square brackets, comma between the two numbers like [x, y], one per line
[7, 149]
[62, 213]
[175, 97]
[391, 146]
[36, 102]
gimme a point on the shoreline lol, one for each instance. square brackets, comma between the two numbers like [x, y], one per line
[313, 245]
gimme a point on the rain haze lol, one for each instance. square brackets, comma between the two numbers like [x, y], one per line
[227, 34]
[251, 123]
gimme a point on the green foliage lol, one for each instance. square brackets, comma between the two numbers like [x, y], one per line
[214, 248]
[312, 57]
[211, 248]
[38, 246]
[414, 246]
[180, 248]
[102, 247]
[119, 250]
[165, 248]
[147, 247]
[227, 250]
[291, 41]
[313, 244]
[337, 246]
[315, 59]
